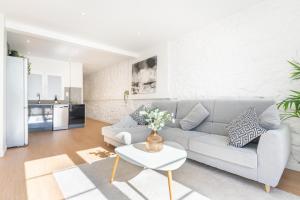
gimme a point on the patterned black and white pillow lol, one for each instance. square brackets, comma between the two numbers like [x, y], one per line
[244, 128]
[137, 117]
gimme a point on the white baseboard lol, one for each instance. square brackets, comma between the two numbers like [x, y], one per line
[107, 121]
[2, 151]
[102, 120]
[293, 165]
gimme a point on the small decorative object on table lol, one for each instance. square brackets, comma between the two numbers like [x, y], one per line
[55, 99]
[126, 94]
[156, 120]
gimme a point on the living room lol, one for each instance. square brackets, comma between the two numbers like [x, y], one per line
[167, 94]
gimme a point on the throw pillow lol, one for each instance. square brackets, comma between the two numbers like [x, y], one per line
[244, 128]
[194, 117]
[137, 117]
[126, 122]
[270, 118]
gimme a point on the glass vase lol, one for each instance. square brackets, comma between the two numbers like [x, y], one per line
[154, 142]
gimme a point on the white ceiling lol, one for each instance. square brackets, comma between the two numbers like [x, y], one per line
[132, 25]
[93, 59]
[99, 33]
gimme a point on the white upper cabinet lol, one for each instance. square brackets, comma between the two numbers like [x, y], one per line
[76, 75]
[50, 77]
[55, 87]
[35, 86]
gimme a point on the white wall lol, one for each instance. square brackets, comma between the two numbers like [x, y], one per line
[162, 88]
[71, 73]
[3, 53]
[242, 55]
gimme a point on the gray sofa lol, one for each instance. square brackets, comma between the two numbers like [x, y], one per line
[208, 143]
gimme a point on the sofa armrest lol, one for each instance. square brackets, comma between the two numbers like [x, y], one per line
[273, 152]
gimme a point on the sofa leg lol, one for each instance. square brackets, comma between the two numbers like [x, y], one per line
[267, 188]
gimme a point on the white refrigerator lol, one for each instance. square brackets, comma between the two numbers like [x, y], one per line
[16, 101]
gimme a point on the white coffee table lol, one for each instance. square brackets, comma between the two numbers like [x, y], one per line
[170, 158]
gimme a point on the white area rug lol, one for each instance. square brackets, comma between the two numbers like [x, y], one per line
[192, 181]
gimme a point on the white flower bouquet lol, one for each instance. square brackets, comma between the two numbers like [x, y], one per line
[156, 119]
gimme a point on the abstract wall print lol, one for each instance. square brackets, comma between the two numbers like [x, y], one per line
[144, 76]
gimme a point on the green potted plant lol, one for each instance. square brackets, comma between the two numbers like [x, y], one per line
[15, 53]
[291, 105]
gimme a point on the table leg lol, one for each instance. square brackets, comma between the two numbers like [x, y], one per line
[114, 168]
[170, 184]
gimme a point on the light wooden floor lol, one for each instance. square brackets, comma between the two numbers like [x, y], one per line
[26, 172]
[23, 171]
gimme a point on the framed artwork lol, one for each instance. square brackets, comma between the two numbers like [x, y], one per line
[144, 75]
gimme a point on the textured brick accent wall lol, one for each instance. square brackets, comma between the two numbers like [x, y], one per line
[103, 93]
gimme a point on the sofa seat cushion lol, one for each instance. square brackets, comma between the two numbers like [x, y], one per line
[126, 135]
[178, 135]
[216, 146]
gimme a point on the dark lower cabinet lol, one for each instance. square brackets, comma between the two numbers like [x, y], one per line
[77, 115]
[40, 118]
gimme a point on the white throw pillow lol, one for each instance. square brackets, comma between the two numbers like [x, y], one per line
[197, 115]
[126, 122]
[270, 118]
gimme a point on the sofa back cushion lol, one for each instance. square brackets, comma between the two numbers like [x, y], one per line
[194, 118]
[170, 106]
[225, 110]
[270, 118]
[221, 111]
[185, 106]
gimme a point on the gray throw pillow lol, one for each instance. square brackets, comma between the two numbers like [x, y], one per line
[137, 117]
[194, 117]
[244, 128]
[270, 118]
[126, 122]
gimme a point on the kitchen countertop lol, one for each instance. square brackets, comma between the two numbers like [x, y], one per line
[51, 104]
[40, 104]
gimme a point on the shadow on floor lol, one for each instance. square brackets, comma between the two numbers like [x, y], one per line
[192, 181]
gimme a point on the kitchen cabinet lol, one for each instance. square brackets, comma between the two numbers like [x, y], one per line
[35, 85]
[55, 87]
[48, 86]
[76, 75]
[40, 117]
[76, 115]
[55, 77]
